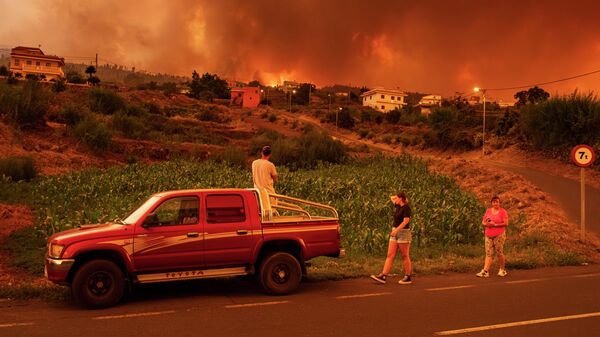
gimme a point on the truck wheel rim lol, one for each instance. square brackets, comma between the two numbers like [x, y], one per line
[100, 283]
[281, 273]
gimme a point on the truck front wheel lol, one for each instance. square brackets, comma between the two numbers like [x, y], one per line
[280, 273]
[98, 284]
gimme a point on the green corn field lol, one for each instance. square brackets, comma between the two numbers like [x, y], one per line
[359, 190]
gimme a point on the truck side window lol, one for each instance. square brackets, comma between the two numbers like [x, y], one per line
[225, 208]
[178, 211]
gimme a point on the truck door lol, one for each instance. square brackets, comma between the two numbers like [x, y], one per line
[230, 236]
[173, 239]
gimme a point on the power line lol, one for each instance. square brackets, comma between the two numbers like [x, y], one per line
[544, 83]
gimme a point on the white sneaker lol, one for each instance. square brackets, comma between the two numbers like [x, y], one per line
[502, 272]
[483, 273]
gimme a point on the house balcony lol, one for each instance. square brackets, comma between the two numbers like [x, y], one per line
[32, 69]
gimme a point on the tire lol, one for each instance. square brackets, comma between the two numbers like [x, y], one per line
[98, 284]
[280, 273]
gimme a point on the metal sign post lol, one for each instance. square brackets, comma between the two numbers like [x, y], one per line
[583, 156]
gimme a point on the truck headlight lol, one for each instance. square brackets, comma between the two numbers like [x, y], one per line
[55, 250]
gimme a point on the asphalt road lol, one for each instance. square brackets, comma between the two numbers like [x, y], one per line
[557, 302]
[566, 192]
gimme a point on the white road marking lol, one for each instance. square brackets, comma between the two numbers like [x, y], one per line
[231, 306]
[513, 324]
[527, 281]
[141, 314]
[586, 275]
[362, 295]
[450, 288]
[10, 325]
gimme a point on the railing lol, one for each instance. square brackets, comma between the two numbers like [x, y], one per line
[271, 204]
[38, 69]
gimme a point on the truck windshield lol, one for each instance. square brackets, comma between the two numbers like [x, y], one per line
[135, 216]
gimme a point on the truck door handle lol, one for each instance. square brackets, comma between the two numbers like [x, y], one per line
[193, 235]
[242, 232]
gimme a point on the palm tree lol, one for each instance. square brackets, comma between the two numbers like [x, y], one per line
[90, 71]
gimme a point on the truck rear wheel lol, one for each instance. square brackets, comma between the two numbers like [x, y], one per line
[98, 284]
[280, 273]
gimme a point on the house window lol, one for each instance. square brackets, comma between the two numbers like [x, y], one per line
[382, 96]
[383, 107]
[16, 62]
[37, 63]
[28, 63]
[48, 64]
[392, 98]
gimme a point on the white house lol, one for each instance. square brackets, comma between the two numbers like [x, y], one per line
[431, 100]
[384, 100]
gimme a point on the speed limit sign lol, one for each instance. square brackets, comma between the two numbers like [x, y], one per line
[583, 155]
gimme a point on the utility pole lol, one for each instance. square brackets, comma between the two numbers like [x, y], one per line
[96, 61]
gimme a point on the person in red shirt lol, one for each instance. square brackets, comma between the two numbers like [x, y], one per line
[495, 221]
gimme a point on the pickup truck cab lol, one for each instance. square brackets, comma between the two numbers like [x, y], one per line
[192, 234]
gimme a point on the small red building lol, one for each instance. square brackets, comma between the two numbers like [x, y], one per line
[246, 97]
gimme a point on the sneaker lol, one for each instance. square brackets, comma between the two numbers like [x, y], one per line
[379, 278]
[502, 272]
[405, 280]
[483, 273]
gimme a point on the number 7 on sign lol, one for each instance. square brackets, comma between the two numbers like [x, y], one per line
[582, 154]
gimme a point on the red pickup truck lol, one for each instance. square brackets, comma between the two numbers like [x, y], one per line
[192, 234]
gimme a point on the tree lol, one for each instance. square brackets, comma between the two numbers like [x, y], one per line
[94, 80]
[3, 70]
[533, 96]
[302, 93]
[255, 83]
[91, 70]
[208, 83]
[75, 77]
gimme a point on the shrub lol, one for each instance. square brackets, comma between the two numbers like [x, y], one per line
[345, 119]
[208, 116]
[59, 85]
[18, 168]
[25, 106]
[393, 117]
[362, 133]
[128, 125]
[136, 110]
[263, 138]
[562, 121]
[152, 108]
[308, 150]
[233, 156]
[3, 70]
[272, 118]
[32, 77]
[169, 88]
[105, 101]
[93, 134]
[75, 77]
[72, 115]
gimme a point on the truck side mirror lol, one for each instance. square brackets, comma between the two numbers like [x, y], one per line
[151, 220]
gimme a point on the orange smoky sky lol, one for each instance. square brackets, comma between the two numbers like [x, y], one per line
[427, 46]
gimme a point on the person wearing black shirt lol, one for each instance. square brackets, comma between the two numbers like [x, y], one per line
[400, 239]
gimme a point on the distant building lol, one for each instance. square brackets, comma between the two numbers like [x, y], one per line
[288, 86]
[246, 97]
[384, 100]
[503, 104]
[431, 100]
[428, 102]
[28, 60]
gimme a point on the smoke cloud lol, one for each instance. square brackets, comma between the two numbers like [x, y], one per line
[427, 46]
